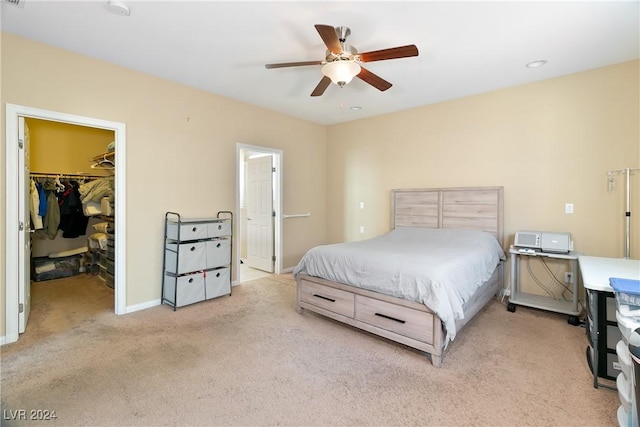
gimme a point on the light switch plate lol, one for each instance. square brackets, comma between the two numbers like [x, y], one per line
[568, 208]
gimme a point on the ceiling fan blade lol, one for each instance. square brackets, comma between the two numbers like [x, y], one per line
[373, 79]
[322, 86]
[330, 38]
[391, 53]
[292, 64]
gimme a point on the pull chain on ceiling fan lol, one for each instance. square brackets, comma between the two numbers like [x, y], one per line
[343, 62]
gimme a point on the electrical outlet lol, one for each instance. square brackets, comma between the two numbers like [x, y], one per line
[362, 229]
[568, 277]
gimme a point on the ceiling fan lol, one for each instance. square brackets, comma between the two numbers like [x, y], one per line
[342, 61]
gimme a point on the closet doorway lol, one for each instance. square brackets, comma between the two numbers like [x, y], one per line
[18, 254]
[259, 207]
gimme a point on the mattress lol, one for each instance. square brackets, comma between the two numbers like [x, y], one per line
[440, 268]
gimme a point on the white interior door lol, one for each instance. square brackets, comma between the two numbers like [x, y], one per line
[259, 186]
[24, 234]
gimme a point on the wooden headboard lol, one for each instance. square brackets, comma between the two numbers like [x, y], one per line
[476, 208]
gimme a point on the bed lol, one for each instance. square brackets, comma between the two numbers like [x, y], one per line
[389, 287]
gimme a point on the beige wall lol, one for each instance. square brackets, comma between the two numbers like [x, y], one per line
[180, 149]
[547, 143]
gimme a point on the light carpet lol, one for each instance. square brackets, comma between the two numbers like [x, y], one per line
[250, 359]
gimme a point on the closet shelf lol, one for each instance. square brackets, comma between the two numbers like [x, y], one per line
[109, 155]
[104, 161]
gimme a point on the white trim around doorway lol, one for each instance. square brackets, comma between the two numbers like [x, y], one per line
[277, 204]
[12, 175]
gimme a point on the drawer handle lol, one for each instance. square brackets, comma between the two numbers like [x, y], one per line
[219, 227]
[191, 280]
[194, 229]
[193, 248]
[218, 245]
[217, 274]
[323, 297]
[390, 318]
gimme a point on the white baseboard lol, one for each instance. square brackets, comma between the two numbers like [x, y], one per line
[287, 270]
[142, 306]
[3, 340]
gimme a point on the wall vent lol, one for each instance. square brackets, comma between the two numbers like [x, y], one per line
[17, 3]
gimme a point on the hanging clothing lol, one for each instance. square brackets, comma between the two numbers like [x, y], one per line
[34, 206]
[52, 218]
[42, 211]
[73, 222]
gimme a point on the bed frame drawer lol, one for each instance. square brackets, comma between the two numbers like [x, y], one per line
[331, 299]
[408, 322]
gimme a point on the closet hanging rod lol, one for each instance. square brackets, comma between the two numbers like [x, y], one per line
[66, 175]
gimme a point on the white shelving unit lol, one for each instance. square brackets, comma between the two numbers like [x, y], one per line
[518, 297]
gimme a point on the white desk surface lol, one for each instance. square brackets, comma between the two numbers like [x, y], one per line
[596, 271]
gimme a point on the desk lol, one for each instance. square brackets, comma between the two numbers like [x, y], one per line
[600, 304]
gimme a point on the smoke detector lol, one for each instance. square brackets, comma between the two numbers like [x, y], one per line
[118, 7]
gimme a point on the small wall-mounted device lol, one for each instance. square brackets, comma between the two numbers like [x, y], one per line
[543, 241]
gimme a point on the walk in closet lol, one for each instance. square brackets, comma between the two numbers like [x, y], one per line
[72, 201]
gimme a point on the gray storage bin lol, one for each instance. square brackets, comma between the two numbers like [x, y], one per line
[190, 289]
[217, 283]
[219, 228]
[218, 253]
[45, 268]
[193, 257]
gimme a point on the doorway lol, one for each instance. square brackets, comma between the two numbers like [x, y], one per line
[17, 281]
[259, 207]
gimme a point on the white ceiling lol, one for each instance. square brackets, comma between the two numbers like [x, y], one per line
[221, 46]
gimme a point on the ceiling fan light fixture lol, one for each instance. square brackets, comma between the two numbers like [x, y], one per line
[341, 72]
